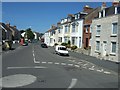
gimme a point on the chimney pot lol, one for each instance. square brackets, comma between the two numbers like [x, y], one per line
[115, 3]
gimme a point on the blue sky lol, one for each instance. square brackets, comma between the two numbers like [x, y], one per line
[40, 15]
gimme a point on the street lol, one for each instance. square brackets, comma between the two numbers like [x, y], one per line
[35, 67]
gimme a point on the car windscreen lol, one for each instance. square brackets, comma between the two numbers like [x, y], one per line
[62, 48]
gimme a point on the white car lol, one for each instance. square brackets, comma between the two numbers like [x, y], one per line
[61, 50]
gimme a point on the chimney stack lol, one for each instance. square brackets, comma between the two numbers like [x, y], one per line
[104, 4]
[58, 23]
[8, 24]
[15, 27]
[87, 9]
[115, 3]
[53, 27]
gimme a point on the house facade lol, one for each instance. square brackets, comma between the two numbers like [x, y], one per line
[70, 29]
[105, 32]
[47, 38]
[86, 26]
[50, 36]
[6, 32]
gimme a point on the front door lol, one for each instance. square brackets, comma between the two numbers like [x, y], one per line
[104, 47]
[86, 42]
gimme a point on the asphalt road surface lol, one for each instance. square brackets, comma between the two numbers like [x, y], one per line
[35, 67]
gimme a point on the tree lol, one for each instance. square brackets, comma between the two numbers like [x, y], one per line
[29, 34]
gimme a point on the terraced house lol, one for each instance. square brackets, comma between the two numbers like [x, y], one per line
[105, 32]
[70, 28]
[49, 36]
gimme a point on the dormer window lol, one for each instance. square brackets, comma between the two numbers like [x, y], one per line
[77, 16]
[102, 13]
[69, 19]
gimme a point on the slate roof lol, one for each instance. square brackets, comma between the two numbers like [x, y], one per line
[7, 28]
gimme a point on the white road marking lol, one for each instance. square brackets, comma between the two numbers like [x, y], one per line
[72, 84]
[106, 72]
[100, 70]
[91, 69]
[76, 65]
[93, 66]
[85, 64]
[44, 62]
[70, 64]
[57, 63]
[63, 63]
[26, 67]
[50, 62]
[33, 55]
[17, 80]
[35, 60]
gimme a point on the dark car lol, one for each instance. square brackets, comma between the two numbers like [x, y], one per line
[25, 44]
[43, 45]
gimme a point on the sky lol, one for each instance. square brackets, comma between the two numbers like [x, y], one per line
[41, 15]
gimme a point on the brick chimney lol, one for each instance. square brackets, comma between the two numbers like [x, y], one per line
[53, 26]
[104, 5]
[8, 25]
[115, 3]
[58, 23]
[70, 15]
[15, 27]
[87, 9]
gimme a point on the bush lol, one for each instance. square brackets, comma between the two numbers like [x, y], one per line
[55, 44]
[73, 47]
[68, 46]
[64, 44]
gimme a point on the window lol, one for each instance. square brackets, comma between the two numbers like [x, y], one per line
[113, 47]
[114, 28]
[97, 45]
[87, 29]
[118, 10]
[76, 16]
[66, 39]
[60, 39]
[73, 40]
[59, 30]
[51, 40]
[98, 30]
[66, 29]
[63, 48]
[73, 27]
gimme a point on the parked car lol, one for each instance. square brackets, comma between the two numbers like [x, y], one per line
[61, 50]
[4, 46]
[43, 45]
[25, 44]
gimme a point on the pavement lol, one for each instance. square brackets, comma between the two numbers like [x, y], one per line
[35, 67]
[102, 63]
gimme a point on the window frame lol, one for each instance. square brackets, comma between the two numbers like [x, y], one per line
[98, 50]
[112, 47]
[112, 32]
[98, 29]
